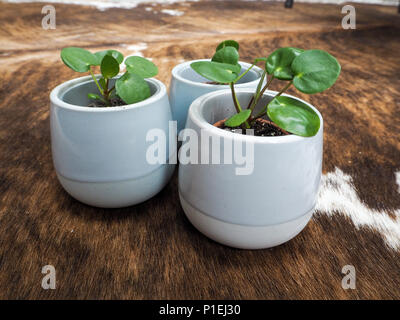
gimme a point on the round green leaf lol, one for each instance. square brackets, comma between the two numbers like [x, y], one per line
[141, 66]
[237, 119]
[109, 67]
[279, 62]
[237, 68]
[114, 53]
[132, 88]
[215, 71]
[78, 59]
[95, 97]
[294, 116]
[226, 55]
[228, 43]
[315, 71]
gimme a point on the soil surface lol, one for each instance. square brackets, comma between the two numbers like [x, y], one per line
[216, 83]
[115, 102]
[261, 127]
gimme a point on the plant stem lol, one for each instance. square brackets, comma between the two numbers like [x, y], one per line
[106, 92]
[257, 90]
[95, 80]
[255, 101]
[235, 100]
[263, 112]
[244, 73]
[237, 104]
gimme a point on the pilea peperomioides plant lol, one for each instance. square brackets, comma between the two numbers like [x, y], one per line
[309, 71]
[130, 87]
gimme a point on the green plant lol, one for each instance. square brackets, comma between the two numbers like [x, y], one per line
[130, 87]
[309, 71]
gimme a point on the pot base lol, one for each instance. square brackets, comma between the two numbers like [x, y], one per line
[244, 236]
[118, 194]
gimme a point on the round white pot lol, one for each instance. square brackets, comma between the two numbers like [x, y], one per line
[99, 154]
[187, 85]
[258, 209]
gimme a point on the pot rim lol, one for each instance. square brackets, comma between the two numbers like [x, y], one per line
[179, 67]
[196, 116]
[61, 88]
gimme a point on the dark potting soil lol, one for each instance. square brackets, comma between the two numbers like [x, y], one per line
[262, 128]
[115, 102]
[216, 83]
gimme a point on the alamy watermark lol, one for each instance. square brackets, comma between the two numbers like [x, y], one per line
[200, 148]
[49, 20]
[349, 20]
[349, 280]
[49, 280]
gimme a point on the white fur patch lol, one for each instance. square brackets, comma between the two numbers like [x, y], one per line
[398, 180]
[129, 4]
[136, 49]
[172, 12]
[337, 195]
[104, 4]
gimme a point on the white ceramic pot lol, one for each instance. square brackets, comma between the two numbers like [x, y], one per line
[99, 154]
[187, 85]
[262, 209]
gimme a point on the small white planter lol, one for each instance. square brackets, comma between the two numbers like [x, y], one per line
[263, 209]
[187, 85]
[99, 154]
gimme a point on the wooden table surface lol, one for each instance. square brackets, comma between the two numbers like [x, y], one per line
[151, 250]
